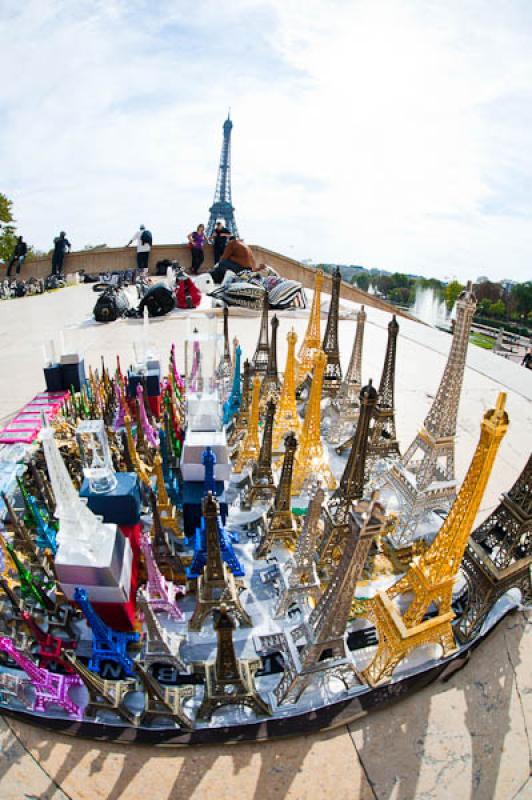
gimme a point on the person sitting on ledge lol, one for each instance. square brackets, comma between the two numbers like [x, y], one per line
[237, 257]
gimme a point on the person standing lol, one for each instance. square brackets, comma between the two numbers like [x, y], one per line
[144, 242]
[237, 257]
[61, 247]
[19, 256]
[219, 238]
[197, 241]
[527, 359]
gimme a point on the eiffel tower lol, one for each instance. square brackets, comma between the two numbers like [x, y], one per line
[270, 386]
[312, 339]
[222, 207]
[332, 378]
[286, 416]
[499, 556]
[262, 483]
[280, 525]
[261, 356]
[425, 479]
[429, 581]
[343, 412]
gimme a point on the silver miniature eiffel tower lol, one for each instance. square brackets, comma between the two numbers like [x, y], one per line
[260, 358]
[344, 409]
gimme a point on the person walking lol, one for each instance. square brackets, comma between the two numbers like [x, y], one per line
[61, 247]
[144, 242]
[219, 239]
[19, 256]
[197, 241]
[237, 257]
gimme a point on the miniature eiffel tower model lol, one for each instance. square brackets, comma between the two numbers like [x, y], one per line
[498, 556]
[383, 438]
[312, 461]
[229, 680]
[323, 637]
[250, 446]
[217, 584]
[166, 557]
[280, 525]
[160, 594]
[163, 701]
[239, 423]
[425, 478]
[138, 465]
[351, 487]
[104, 695]
[226, 368]
[311, 343]
[262, 483]
[431, 577]
[270, 386]
[332, 379]
[344, 410]
[286, 416]
[167, 511]
[161, 646]
[260, 358]
[299, 580]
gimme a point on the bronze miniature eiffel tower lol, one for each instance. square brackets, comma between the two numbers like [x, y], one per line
[165, 554]
[260, 358]
[280, 525]
[324, 650]
[344, 409]
[299, 579]
[270, 387]
[160, 645]
[217, 584]
[499, 556]
[229, 680]
[332, 378]
[262, 483]
[351, 486]
[163, 701]
[104, 695]
[239, 424]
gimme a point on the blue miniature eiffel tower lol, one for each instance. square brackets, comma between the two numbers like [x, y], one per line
[46, 534]
[170, 479]
[107, 644]
[232, 404]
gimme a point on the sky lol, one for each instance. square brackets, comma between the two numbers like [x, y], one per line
[394, 134]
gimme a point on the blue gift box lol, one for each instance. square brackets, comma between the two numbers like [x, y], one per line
[153, 383]
[121, 505]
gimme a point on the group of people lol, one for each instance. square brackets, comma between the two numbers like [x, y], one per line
[61, 247]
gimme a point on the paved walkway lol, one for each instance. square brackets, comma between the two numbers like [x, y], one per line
[467, 738]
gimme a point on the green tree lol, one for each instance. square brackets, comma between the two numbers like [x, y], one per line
[497, 309]
[362, 281]
[451, 293]
[521, 298]
[7, 228]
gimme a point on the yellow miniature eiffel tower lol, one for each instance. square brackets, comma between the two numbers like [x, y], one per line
[286, 417]
[250, 447]
[311, 458]
[138, 465]
[167, 512]
[312, 340]
[431, 577]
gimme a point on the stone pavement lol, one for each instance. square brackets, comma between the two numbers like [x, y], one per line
[467, 738]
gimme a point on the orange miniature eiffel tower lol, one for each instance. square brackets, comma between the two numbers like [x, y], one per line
[286, 417]
[311, 459]
[250, 447]
[312, 340]
[431, 577]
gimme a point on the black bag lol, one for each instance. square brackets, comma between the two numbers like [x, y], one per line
[146, 237]
[162, 266]
[111, 304]
[159, 300]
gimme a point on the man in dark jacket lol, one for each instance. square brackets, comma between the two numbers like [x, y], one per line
[61, 247]
[18, 257]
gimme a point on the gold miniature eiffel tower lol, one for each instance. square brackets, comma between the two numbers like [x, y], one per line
[163, 701]
[167, 511]
[431, 577]
[240, 421]
[104, 695]
[280, 525]
[250, 447]
[217, 584]
[312, 340]
[286, 417]
[138, 465]
[312, 460]
[229, 680]
[160, 645]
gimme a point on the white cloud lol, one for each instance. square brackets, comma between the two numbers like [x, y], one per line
[385, 133]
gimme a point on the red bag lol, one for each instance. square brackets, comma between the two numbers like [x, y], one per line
[187, 294]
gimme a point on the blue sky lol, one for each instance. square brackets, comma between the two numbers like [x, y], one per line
[389, 133]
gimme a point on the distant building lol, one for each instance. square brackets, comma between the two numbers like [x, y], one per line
[482, 279]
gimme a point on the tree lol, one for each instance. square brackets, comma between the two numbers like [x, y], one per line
[488, 291]
[521, 298]
[7, 228]
[451, 293]
[497, 309]
[362, 281]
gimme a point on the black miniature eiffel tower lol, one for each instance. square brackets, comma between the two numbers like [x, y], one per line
[280, 525]
[217, 584]
[262, 482]
[260, 358]
[332, 378]
[351, 486]
[499, 556]
[163, 701]
[229, 680]
[271, 387]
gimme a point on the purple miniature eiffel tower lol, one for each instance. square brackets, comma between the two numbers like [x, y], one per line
[195, 372]
[160, 593]
[50, 689]
[175, 372]
[149, 431]
[118, 422]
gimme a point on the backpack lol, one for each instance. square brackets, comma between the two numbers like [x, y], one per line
[187, 294]
[146, 237]
[111, 304]
[159, 300]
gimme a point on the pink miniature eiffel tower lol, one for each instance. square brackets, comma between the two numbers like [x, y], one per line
[118, 422]
[160, 593]
[195, 372]
[50, 689]
[175, 372]
[147, 427]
